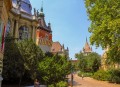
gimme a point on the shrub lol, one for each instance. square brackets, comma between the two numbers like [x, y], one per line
[59, 84]
[86, 74]
[115, 76]
[62, 84]
[52, 85]
[102, 75]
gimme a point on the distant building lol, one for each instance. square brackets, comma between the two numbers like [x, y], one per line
[57, 48]
[44, 33]
[87, 49]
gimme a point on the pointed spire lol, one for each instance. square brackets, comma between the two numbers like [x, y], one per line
[67, 49]
[42, 7]
[41, 10]
[49, 26]
[63, 46]
[86, 39]
[35, 13]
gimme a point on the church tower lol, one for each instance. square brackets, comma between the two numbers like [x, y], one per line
[43, 33]
[87, 49]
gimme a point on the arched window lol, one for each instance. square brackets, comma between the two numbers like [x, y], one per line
[23, 33]
[8, 28]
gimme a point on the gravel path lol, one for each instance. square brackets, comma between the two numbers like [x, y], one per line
[89, 82]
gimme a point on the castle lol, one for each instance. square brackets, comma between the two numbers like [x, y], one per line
[17, 20]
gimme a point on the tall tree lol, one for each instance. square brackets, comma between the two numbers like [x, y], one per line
[53, 69]
[93, 61]
[89, 63]
[12, 62]
[31, 55]
[105, 24]
[21, 61]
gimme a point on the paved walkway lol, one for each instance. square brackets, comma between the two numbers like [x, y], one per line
[89, 82]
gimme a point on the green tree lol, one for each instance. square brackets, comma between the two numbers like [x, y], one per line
[105, 24]
[31, 55]
[82, 64]
[89, 63]
[54, 69]
[94, 61]
[12, 62]
[21, 61]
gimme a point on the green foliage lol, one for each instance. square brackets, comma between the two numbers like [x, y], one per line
[54, 69]
[31, 55]
[59, 84]
[21, 61]
[102, 75]
[85, 74]
[12, 62]
[52, 85]
[62, 84]
[112, 75]
[105, 25]
[114, 54]
[115, 76]
[89, 63]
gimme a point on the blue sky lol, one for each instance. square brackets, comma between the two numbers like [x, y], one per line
[69, 23]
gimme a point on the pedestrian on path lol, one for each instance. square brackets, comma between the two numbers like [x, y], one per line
[82, 76]
[36, 83]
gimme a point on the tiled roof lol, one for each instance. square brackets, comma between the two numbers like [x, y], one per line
[87, 47]
[56, 47]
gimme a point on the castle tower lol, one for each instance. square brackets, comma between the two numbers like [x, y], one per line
[43, 33]
[87, 49]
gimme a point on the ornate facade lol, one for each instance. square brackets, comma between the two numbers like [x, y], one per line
[17, 20]
[87, 49]
[58, 48]
[43, 33]
[22, 24]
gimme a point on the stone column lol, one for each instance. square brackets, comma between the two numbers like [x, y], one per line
[16, 30]
[12, 27]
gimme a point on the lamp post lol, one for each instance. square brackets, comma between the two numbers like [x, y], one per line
[71, 74]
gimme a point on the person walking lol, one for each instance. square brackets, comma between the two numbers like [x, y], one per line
[36, 83]
[82, 76]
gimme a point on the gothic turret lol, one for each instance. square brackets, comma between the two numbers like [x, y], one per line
[44, 33]
[42, 23]
[87, 49]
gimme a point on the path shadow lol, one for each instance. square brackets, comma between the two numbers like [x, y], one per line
[74, 83]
